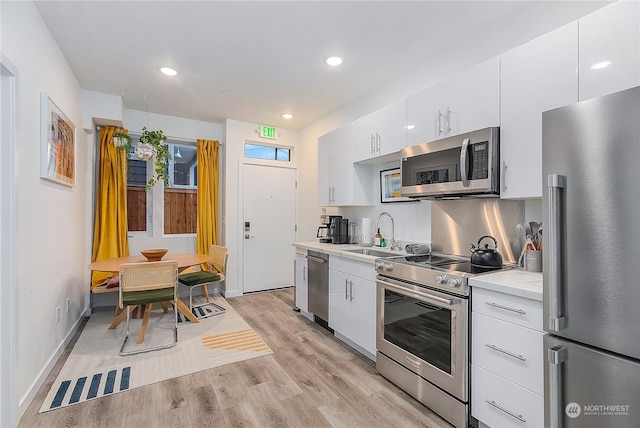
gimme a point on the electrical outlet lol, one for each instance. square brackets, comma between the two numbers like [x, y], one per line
[68, 304]
[57, 314]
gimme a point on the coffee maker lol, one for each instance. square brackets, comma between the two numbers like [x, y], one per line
[339, 230]
[323, 234]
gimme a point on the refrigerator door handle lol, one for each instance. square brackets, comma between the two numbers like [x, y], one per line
[556, 185]
[556, 356]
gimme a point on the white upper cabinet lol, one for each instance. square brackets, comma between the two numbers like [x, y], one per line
[340, 182]
[537, 76]
[425, 112]
[325, 169]
[381, 132]
[473, 98]
[610, 34]
[342, 160]
[467, 101]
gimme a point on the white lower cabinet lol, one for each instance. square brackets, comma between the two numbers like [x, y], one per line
[507, 370]
[352, 302]
[301, 281]
[498, 402]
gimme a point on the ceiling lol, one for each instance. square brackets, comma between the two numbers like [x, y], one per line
[253, 61]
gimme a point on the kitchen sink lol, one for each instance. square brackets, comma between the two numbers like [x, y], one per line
[372, 252]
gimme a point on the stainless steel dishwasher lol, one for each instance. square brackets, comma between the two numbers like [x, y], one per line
[318, 265]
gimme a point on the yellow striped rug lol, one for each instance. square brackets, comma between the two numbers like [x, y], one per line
[244, 340]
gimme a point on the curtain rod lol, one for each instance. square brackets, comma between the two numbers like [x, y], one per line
[178, 139]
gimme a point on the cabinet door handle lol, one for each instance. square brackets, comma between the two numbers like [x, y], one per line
[439, 122]
[304, 273]
[448, 122]
[506, 308]
[373, 144]
[346, 293]
[378, 143]
[513, 415]
[351, 291]
[504, 351]
[504, 176]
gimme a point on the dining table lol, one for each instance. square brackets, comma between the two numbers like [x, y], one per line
[184, 260]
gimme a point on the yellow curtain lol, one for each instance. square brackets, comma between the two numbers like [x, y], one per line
[110, 229]
[207, 226]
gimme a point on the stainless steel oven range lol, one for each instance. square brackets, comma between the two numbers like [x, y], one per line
[422, 331]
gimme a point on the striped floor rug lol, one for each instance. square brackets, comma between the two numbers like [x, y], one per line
[95, 369]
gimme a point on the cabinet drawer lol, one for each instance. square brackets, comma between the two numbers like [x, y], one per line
[511, 351]
[498, 402]
[515, 309]
[359, 269]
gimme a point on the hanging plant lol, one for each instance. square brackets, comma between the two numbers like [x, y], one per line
[151, 143]
[122, 140]
[155, 140]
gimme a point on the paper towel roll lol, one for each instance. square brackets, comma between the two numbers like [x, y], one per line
[366, 231]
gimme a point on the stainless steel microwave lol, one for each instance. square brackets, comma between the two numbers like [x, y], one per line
[459, 166]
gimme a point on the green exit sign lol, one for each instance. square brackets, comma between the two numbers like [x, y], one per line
[268, 131]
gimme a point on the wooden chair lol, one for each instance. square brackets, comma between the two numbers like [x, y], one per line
[143, 284]
[217, 268]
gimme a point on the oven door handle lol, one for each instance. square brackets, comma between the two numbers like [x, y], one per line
[434, 299]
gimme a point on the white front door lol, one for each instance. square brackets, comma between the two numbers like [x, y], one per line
[268, 227]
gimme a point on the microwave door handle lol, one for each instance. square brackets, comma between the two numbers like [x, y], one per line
[464, 166]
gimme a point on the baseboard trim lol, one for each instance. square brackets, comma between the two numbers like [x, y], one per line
[26, 400]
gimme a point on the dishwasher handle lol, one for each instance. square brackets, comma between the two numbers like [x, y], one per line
[316, 259]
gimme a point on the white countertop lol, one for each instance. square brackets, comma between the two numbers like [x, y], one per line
[341, 250]
[517, 282]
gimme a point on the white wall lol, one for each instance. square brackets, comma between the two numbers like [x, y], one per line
[51, 253]
[237, 133]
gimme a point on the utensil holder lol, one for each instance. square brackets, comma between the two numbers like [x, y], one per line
[533, 260]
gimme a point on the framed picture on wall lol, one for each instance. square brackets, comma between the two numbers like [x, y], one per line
[390, 186]
[58, 144]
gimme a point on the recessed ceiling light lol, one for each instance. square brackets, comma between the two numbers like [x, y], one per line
[168, 71]
[287, 115]
[334, 60]
[600, 65]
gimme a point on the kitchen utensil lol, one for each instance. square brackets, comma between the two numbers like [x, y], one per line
[487, 257]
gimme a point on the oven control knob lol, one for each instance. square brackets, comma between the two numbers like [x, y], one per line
[441, 279]
[456, 282]
[379, 265]
[388, 267]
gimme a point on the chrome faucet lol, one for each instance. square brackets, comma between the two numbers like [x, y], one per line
[395, 246]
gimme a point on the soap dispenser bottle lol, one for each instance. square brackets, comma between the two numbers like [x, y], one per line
[377, 239]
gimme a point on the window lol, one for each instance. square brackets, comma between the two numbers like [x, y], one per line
[136, 193]
[179, 196]
[257, 151]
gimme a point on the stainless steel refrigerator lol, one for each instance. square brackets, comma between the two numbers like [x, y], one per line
[591, 248]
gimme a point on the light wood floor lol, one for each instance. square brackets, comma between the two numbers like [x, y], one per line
[311, 380]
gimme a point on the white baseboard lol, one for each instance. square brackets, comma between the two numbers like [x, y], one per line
[26, 400]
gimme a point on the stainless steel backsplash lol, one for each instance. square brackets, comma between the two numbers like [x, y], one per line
[456, 224]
